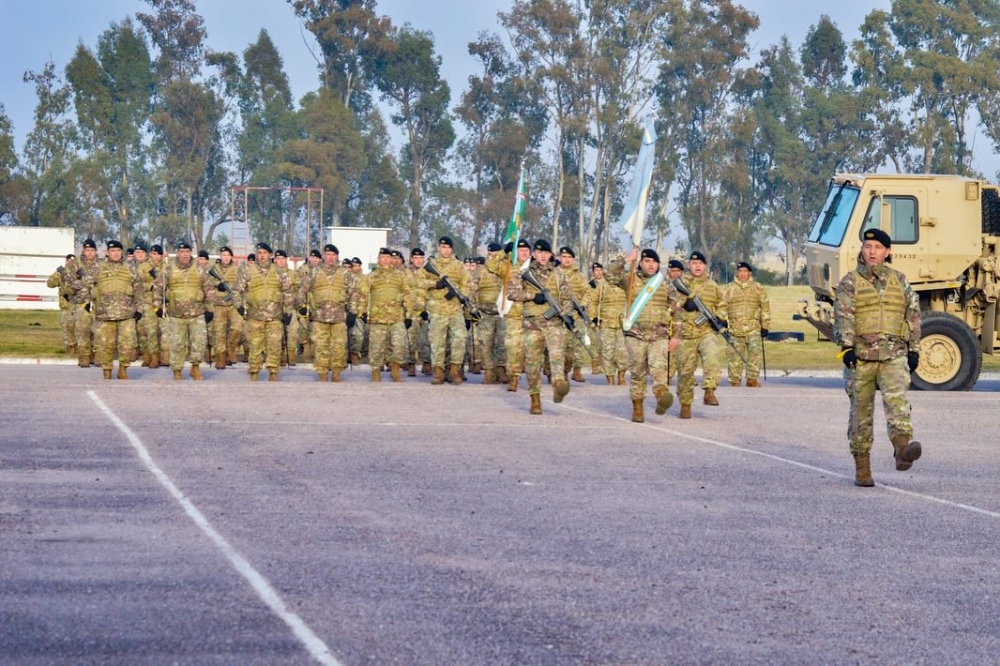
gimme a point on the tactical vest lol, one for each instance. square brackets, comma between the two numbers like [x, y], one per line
[877, 313]
[114, 278]
[488, 291]
[184, 284]
[264, 287]
[328, 287]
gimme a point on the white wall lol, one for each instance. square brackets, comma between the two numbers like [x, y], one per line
[28, 256]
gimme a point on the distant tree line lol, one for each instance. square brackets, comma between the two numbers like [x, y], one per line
[143, 134]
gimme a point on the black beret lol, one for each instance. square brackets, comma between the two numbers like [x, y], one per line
[877, 235]
[397, 253]
[445, 240]
[203, 254]
[596, 264]
[315, 253]
[280, 253]
[156, 248]
[566, 249]
[225, 248]
[675, 263]
[523, 243]
[90, 243]
[385, 250]
[71, 256]
[113, 244]
[745, 265]
[355, 261]
[183, 245]
[649, 253]
[697, 256]
[346, 261]
[251, 257]
[330, 247]
[481, 261]
[494, 247]
[417, 252]
[265, 247]
[140, 246]
[129, 250]
[543, 245]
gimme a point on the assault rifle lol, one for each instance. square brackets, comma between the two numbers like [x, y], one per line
[706, 315]
[554, 309]
[466, 302]
[222, 283]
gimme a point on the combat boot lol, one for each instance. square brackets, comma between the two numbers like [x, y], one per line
[84, 361]
[560, 388]
[611, 380]
[107, 373]
[220, 361]
[476, 368]
[272, 376]
[637, 416]
[536, 403]
[122, 370]
[177, 374]
[685, 412]
[254, 376]
[425, 369]
[905, 452]
[502, 377]
[737, 383]
[145, 359]
[335, 376]
[512, 384]
[863, 470]
[196, 372]
[488, 376]
[231, 356]
[154, 360]
[411, 369]
[438, 376]
[455, 376]
[395, 373]
[753, 383]
[710, 398]
[322, 376]
[355, 358]
[377, 374]
[578, 375]
[664, 398]
[595, 368]
[621, 378]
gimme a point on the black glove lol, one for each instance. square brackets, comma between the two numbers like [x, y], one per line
[286, 319]
[594, 321]
[509, 247]
[913, 360]
[352, 319]
[61, 270]
[79, 272]
[220, 287]
[423, 315]
[152, 273]
[137, 316]
[303, 310]
[723, 323]
[88, 306]
[450, 295]
[539, 299]
[850, 358]
[159, 312]
[407, 323]
[440, 284]
[763, 332]
[209, 316]
[241, 311]
[690, 305]
[570, 323]
[593, 283]
[468, 324]
[364, 318]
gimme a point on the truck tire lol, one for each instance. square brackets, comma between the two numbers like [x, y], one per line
[991, 212]
[950, 358]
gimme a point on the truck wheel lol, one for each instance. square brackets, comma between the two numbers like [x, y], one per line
[950, 359]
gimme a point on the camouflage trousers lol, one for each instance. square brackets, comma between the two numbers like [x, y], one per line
[576, 354]
[386, 343]
[291, 339]
[892, 378]
[359, 337]
[84, 322]
[705, 348]
[112, 336]
[263, 339]
[447, 336]
[153, 331]
[67, 323]
[187, 338]
[614, 353]
[329, 345]
[513, 342]
[418, 348]
[541, 335]
[491, 333]
[647, 358]
[752, 348]
[227, 328]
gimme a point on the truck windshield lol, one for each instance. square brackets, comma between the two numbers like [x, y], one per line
[832, 221]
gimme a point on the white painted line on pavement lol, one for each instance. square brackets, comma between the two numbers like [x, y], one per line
[789, 461]
[313, 643]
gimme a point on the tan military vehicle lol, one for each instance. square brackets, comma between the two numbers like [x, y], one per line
[945, 234]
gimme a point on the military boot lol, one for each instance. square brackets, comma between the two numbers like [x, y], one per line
[438, 375]
[664, 398]
[84, 361]
[637, 416]
[753, 383]
[272, 376]
[710, 398]
[231, 356]
[905, 452]
[611, 380]
[411, 369]
[489, 377]
[145, 359]
[685, 412]
[455, 376]
[196, 372]
[560, 388]
[322, 376]
[335, 376]
[536, 403]
[621, 378]
[863, 470]
[122, 370]
[595, 368]
[154, 360]
[107, 373]
[476, 368]
[578, 375]
[220, 361]
[425, 369]
[512, 384]
[177, 374]
[254, 376]
[502, 377]
[395, 373]
[355, 358]
[377, 374]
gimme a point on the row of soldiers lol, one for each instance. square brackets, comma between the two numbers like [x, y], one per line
[415, 314]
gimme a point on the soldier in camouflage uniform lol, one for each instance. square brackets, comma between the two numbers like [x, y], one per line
[359, 330]
[500, 265]
[266, 300]
[314, 260]
[675, 269]
[114, 293]
[699, 340]
[541, 334]
[491, 329]
[383, 304]
[180, 293]
[649, 340]
[154, 351]
[67, 315]
[576, 353]
[290, 339]
[749, 318]
[607, 305]
[418, 347]
[329, 294]
[447, 322]
[80, 276]
[877, 324]
[227, 324]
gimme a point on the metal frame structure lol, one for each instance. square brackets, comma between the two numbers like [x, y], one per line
[239, 225]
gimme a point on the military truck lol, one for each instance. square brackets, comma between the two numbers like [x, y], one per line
[945, 234]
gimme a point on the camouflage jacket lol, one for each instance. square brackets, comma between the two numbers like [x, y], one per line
[748, 307]
[115, 291]
[484, 290]
[81, 275]
[875, 347]
[554, 282]
[499, 265]
[713, 298]
[228, 275]
[383, 296]
[60, 279]
[416, 296]
[662, 315]
[607, 304]
[182, 291]
[437, 299]
[265, 293]
[148, 272]
[330, 292]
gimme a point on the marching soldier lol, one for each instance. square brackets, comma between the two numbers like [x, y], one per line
[485, 288]
[81, 275]
[699, 341]
[419, 346]
[114, 300]
[358, 331]
[154, 328]
[446, 321]
[749, 318]
[675, 269]
[500, 265]
[877, 324]
[227, 324]
[291, 332]
[180, 293]
[607, 304]
[266, 300]
[329, 295]
[67, 316]
[575, 351]
[383, 302]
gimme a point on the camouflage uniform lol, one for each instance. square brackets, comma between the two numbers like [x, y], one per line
[67, 313]
[227, 325]
[290, 340]
[878, 314]
[114, 292]
[699, 341]
[418, 349]
[330, 292]
[267, 296]
[749, 312]
[576, 355]
[607, 304]
[383, 301]
[447, 321]
[491, 328]
[180, 293]
[153, 328]
[81, 275]
[499, 264]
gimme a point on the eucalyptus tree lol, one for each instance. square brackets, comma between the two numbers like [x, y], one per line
[15, 189]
